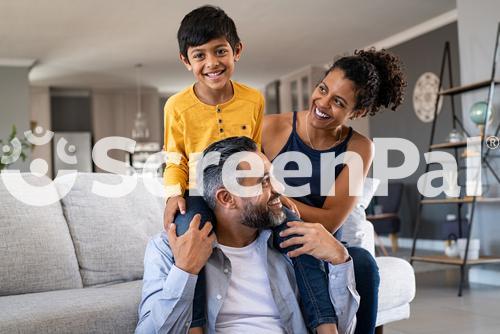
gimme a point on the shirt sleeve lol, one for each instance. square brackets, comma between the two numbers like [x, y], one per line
[343, 294]
[257, 132]
[175, 175]
[167, 293]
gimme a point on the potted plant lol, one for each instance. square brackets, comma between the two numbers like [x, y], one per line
[6, 148]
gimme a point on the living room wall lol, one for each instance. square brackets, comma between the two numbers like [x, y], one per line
[419, 55]
[14, 105]
[477, 26]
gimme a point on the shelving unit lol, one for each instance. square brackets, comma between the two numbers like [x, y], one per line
[460, 202]
[138, 159]
[468, 88]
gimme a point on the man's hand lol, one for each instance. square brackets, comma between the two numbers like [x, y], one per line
[315, 241]
[174, 203]
[192, 249]
[290, 204]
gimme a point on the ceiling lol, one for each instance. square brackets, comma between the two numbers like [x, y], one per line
[95, 43]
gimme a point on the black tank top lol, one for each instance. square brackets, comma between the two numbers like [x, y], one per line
[294, 143]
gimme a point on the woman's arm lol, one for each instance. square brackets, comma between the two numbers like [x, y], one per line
[336, 208]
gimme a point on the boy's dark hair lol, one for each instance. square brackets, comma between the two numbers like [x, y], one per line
[212, 174]
[377, 76]
[204, 24]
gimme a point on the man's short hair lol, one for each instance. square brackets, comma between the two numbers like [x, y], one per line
[212, 174]
[203, 25]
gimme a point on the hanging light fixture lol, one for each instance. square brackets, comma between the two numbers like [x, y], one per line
[140, 131]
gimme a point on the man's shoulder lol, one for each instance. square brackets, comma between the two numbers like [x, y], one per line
[158, 243]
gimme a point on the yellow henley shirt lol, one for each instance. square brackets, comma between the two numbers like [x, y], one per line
[191, 125]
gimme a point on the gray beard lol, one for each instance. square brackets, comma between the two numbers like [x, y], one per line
[261, 217]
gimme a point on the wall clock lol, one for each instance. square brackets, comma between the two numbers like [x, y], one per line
[424, 97]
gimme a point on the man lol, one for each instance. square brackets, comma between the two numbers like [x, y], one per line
[251, 287]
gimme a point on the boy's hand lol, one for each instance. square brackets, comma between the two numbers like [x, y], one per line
[290, 204]
[174, 203]
[192, 249]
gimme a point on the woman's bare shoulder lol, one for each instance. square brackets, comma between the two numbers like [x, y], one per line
[278, 121]
[361, 144]
[275, 132]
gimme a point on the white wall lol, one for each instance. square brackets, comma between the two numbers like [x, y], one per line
[477, 26]
[14, 105]
[40, 114]
[114, 110]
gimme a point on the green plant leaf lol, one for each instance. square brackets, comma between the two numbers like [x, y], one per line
[13, 132]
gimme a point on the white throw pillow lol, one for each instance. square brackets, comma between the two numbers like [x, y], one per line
[357, 231]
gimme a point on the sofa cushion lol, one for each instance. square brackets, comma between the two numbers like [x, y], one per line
[109, 309]
[394, 314]
[36, 252]
[359, 232]
[110, 234]
[397, 283]
[356, 231]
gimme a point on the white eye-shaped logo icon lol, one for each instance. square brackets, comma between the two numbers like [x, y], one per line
[38, 139]
[11, 154]
[61, 152]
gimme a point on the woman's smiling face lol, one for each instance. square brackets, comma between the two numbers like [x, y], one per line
[333, 101]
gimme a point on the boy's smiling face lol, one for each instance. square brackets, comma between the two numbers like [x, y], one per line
[212, 63]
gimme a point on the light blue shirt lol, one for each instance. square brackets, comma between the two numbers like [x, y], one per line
[167, 293]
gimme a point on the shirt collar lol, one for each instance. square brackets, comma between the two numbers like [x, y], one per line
[263, 237]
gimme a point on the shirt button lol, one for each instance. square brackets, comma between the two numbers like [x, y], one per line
[218, 109]
[244, 127]
[219, 297]
[226, 271]
[221, 130]
[220, 121]
[187, 324]
[334, 276]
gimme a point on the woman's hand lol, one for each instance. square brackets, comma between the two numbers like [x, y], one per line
[316, 241]
[174, 203]
[290, 204]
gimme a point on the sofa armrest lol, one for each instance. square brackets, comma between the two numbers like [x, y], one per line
[397, 289]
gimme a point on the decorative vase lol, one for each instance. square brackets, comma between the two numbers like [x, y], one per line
[478, 113]
[455, 136]
[451, 249]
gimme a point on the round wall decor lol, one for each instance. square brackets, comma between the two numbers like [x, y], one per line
[424, 97]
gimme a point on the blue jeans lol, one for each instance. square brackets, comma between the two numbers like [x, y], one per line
[367, 283]
[310, 274]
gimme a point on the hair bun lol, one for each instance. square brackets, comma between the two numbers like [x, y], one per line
[392, 80]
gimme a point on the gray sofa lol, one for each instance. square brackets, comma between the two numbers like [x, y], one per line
[75, 266]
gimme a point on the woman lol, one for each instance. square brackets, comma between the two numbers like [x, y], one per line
[355, 86]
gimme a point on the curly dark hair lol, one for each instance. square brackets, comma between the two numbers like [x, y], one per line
[378, 77]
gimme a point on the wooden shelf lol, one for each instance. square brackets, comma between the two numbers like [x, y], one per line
[488, 199]
[381, 216]
[449, 145]
[443, 259]
[452, 145]
[467, 88]
[447, 201]
[461, 200]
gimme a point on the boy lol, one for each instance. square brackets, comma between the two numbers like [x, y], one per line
[212, 109]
